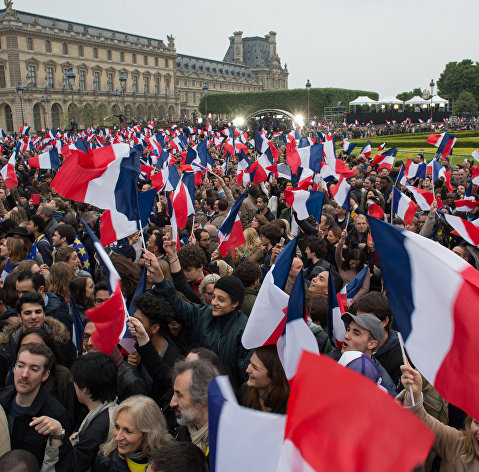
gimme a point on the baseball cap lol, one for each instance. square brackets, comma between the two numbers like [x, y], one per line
[367, 321]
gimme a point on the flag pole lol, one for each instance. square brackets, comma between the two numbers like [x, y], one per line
[404, 359]
[139, 223]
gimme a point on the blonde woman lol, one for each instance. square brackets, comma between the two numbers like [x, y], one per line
[139, 428]
[252, 248]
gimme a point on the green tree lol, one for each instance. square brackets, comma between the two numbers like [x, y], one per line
[465, 103]
[404, 96]
[458, 77]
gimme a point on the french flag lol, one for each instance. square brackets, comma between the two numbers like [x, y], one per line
[403, 206]
[6, 269]
[234, 429]
[382, 146]
[116, 225]
[437, 171]
[336, 328]
[415, 171]
[110, 317]
[281, 171]
[77, 328]
[444, 143]
[351, 289]
[24, 130]
[348, 147]
[375, 210]
[315, 437]
[242, 177]
[305, 202]
[386, 159]
[366, 150]
[424, 198]
[467, 230]
[259, 169]
[341, 192]
[296, 337]
[47, 160]
[230, 234]
[441, 320]
[166, 178]
[106, 178]
[475, 155]
[268, 316]
[465, 205]
[182, 199]
[310, 157]
[8, 171]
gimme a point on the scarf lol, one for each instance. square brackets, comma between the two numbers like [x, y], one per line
[199, 437]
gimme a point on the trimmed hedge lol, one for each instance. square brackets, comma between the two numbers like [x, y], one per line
[295, 101]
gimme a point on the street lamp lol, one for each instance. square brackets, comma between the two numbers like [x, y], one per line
[122, 80]
[431, 85]
[205, 91]
[70, 75]
[20, 89]
[308, 90]
[43, 101]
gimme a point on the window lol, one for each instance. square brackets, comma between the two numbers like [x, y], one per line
[186, 82]
[156, 62]
[109, 81]
[166, 63]
[9, 118]
[66, 83]
[186, 97]
[108, 54]
[3, 84]
[32, 73]
[145, 60]
[134, 85]
[133, 58]
[29, 44]
[65, 48]
[122, 56]
[96, 81]
[95, 53]
[48, 46]
[146, 80]
[80, 50]
[167, 86]
[36, 117]
[50, 77]
[157, 85]
[194, 97]
[81, 81]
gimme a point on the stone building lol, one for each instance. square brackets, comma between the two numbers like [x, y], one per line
[53, 71]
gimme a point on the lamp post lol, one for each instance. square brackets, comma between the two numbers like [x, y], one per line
[70, 75]
[43, 101]
[122, 79]
[20, 89]
[205, 91]
[431, 85]
[308, 91]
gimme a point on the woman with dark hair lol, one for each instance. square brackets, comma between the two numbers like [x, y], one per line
[58, 383]
[61, 274]
[268, 388]
[258, 221]
[82, 292]
[130, 275]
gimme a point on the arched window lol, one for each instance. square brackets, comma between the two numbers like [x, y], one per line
[37, 122]
[9, 118]
[55, 116]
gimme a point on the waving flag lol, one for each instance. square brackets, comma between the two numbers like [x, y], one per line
[341, 192]
[167, 179]
[110, 317]
[242, 177]
[32, 255]
[297, 336]
[8, 172]
[47, 160]
[6, 269]
[282, 171]
[234, 429]
[386, 159]
[182, 199]
[465, 205]
[444, 143]
[382, 146]
[24, 130]
[336, 328]
[403, 206]
[437, 171]
[412, 278]
[415, 171]
[348, 147]
[315, 439]
[475, 155]
[268, 316]
[366, 150]
[351, 289]
[305, 202]
[466, 229]
[230, 234]
[77, 328]
[375, 210]
[424, 198]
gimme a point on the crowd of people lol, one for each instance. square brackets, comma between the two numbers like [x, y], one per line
[64, 410]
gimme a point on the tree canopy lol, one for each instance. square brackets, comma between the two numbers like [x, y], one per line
[458, 77]
[404, 96]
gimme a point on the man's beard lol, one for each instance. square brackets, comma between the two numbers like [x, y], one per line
[188, 416]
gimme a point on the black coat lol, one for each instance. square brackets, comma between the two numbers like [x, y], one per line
[114, 463]
[22, 436]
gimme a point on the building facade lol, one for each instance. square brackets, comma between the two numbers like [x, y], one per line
[53, 71]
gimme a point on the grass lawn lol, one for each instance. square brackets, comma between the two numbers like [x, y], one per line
[409, 145]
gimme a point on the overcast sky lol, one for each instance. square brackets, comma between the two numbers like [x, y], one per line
[379, 45]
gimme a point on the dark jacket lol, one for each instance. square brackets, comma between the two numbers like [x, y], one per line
[268, 215]
[23, 436]
[130, 382]
[390, 356]
[250, 295]
[58, 308]
[50, 227]
[114, 463]
[45, 249]
[221, 334]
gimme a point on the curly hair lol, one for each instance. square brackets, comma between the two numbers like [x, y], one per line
[156, 309]
[248, 272]
[191, 256]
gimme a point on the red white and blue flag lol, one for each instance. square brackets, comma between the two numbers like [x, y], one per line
[351, 289]
[466, 229]
[47, 160]
[403, 206]
[428, 316]
[465, 205]
[336, 328]
[424, 198]
[444, 143]
[382, 146]
[385, 160]
[375, 210]
[8, 171]
[230, 234]
[182, 199]
[341, 192]
[366, 150]
[415, 171]
[305, 202]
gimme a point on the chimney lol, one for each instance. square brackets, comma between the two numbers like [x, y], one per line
[272, 44]
[238, 46]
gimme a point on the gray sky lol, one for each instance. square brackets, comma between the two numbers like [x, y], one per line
[379, 45]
